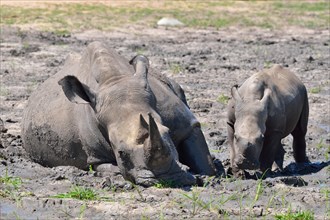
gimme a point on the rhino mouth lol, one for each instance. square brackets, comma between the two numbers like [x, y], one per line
[246, 164]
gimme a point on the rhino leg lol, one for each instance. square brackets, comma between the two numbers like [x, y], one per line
[230, 131]
[270, 151]
[279, 158]
[299, 133]
[194, 153]
[299, 145]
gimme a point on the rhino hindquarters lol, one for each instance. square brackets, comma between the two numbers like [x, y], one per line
[49, 149]
[193, 152]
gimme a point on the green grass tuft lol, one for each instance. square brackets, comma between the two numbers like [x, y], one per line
[176, 68]
[223, 99]
[165, 184]
[300, 215]
[315, 90]
[11, 181]
[78, 192]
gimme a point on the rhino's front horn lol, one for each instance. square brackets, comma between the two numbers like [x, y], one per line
[157, 147]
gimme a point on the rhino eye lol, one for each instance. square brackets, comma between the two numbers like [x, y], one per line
[235, 137]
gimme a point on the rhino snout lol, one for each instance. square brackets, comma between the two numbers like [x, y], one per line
[242, 162]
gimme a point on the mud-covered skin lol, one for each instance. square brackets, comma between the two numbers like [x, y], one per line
[101, 109]
[267, 107]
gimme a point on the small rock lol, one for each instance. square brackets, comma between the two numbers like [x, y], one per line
[258, 211]
[106, 183]
[60, 177]
[169, 22]
[310, 59]
[11, 121]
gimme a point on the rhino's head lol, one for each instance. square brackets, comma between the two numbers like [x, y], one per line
[126, 112]
[249, 127]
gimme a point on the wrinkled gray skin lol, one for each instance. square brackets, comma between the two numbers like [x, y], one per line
[104, 111]
[267, 107]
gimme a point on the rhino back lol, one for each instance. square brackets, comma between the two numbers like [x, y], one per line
[100, 63]
[173, 110]
[287, 100]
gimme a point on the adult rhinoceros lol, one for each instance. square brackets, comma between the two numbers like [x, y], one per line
[267, 107]
[103, 110]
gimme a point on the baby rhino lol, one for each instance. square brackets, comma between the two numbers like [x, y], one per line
[267, 107]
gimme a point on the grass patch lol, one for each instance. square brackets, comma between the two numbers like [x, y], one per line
[300, 215]
[165, 184]
[78, 192]
[10, 187]
[315, 90]
[176, 68]
[61, 18]
[197, 204]
[11, 181]
[223, 99]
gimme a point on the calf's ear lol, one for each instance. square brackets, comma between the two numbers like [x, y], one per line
[235, 94]
[77, 92]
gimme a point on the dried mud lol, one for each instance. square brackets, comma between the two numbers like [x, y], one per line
[206, 63]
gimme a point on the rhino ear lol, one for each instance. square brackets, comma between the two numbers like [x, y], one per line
[77, 92]
[235, 94]
[266, 96]
[141, 66]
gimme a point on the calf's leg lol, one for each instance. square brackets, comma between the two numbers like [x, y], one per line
[269, 151]
[299, 133]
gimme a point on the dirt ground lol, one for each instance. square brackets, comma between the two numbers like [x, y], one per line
[207, 63]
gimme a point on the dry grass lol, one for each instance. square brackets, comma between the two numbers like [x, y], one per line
[71, 16]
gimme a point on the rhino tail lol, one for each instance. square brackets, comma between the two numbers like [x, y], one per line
[303, 121]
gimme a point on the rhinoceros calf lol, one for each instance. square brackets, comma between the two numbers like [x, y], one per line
[105, 111]
[267, 107]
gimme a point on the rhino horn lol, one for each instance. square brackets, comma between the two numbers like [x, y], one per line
[141, 66]
[157, 147]
[143, 130]
[235, 94]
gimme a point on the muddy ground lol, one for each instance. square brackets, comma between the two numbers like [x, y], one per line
[206, 63]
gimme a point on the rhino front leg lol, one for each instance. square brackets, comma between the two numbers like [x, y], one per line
[279, 158]
[194, 153]
[270, 151]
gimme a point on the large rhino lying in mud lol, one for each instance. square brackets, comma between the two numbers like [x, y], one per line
[267, 107]
[104, 111]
